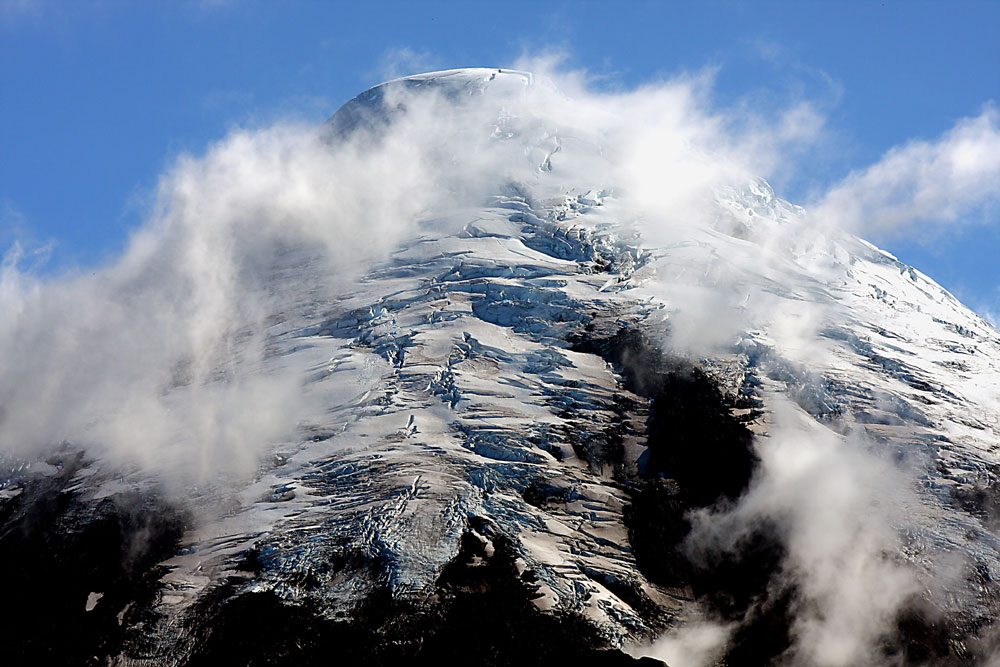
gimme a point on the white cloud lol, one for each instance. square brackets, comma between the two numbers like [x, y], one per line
[95, 359]
[945, 181]
[698, 643]
[837, 506]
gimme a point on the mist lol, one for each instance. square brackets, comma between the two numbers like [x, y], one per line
[157, 359]
[160, 359]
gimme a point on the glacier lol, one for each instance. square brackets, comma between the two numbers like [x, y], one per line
[547, 428]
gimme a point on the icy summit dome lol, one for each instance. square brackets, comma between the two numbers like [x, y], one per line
[378, 104]
[478, 129]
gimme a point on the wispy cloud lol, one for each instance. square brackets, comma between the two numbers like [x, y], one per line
[922, 185]
[821, 490]
[768, 49]
[15, 11]
[125, 361]
[403, 60]
[16, 232]
[10, 216]
[991, 310]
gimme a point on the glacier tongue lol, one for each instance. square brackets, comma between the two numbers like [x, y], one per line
[535, 404]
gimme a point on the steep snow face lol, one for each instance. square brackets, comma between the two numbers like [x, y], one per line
[480, 397]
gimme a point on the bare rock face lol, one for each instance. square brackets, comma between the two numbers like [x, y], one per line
[515, 465]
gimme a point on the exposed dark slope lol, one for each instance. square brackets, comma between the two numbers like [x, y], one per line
[699, 454]
[58, 547]
[481, 614]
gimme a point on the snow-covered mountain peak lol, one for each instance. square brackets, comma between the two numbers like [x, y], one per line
[592, 392]
[468, 80]
[376, 106]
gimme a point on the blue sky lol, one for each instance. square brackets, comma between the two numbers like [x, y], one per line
[98, 98]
